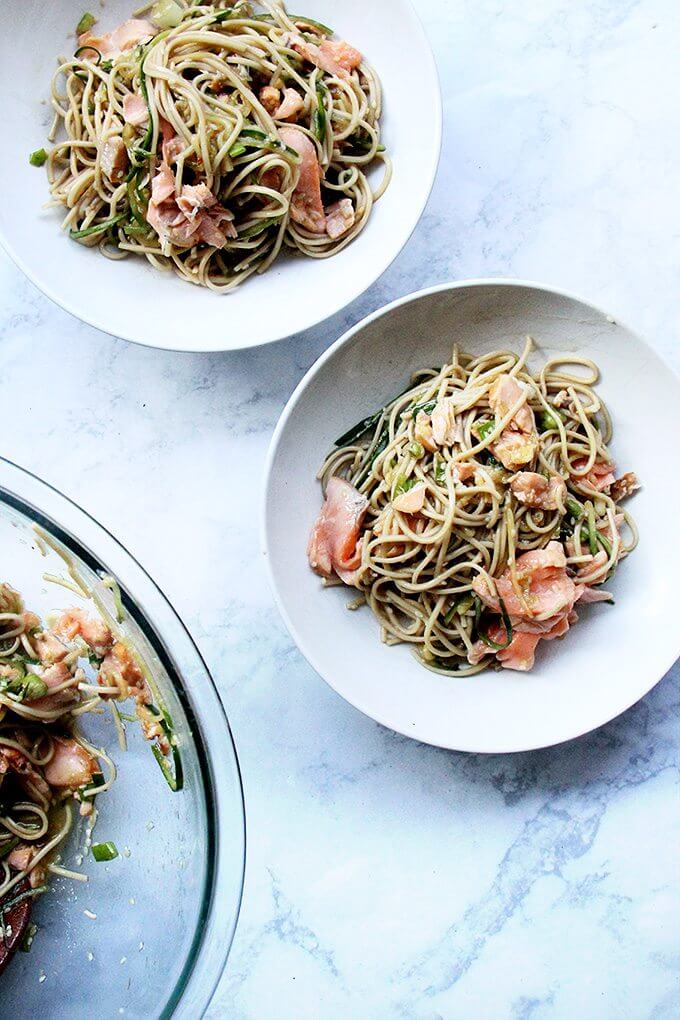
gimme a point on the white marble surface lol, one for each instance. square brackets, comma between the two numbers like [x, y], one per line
[386, 879]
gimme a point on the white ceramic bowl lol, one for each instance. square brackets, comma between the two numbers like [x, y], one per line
[614, 655]
[132, 300]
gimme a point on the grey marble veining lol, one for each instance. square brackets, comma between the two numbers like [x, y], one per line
[387, 879]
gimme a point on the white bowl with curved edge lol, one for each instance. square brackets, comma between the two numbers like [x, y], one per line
[613, 655]
[132, 300]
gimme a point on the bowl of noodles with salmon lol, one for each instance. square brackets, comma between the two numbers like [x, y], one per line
[468, 482]
[235, 171]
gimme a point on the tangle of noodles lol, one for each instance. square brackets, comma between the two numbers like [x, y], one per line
[50, 675]
[480, 483]
[205, 97]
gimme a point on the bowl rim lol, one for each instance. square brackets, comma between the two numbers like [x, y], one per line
[382, 263]
[288, 412]
[200, 981]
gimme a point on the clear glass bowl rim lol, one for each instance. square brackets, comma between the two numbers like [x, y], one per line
[223, 787]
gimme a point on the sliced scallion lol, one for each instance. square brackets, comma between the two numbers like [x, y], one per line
[38, 158]
[166, 14]
[89, 49]
[256, 228]
[604, 542]
[460, 607]
[497, 647]
[574, 508]
[592, 529]
[484, 428]
[104, 851]
[319, 119]
[85, 23]
[8, 846]
[548, 420]
[97, 228]
[403, 485]
[29, 935]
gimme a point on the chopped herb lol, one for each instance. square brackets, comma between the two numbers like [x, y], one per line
[7, 905]
[26, 687]
[89, 49]
[138, 199]
[460, 607]
[255, 138]
[379, 447]
[497, 647]
[319, 119]
[104, 851]
[416, 450]
[548, 420]
[403, 485]
[173, 774]
[482, 429]
[428, 407]
[228, 12]
[166, 14]
[592, 530]
[136, 230]
[98, 228]
[574, 508]
[237, 150]
[8, 846]
[439, 470]
[29, 935]
[85, 23]
[359, 430]
[604, 542]
[256, 228]
[94, 784]
[38, 158]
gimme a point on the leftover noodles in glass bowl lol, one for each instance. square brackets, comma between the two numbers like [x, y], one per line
[140, 912]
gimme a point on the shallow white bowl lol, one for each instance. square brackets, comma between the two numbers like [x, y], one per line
[132, 300]
[614, 655]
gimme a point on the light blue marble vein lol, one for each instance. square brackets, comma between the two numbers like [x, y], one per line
[387, 879]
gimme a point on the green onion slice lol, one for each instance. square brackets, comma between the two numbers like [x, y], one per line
[319, 119]
[89, 49]
[548, 419]
[460, 606]
[574, 508]
[484, 428]
[592, 529]
[85, 23]
[104, 851]
[8, 846]
[506, 623]
[256, 228]
[97, 228]
[29, 935]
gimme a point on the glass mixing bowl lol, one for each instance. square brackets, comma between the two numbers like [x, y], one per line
[148, 934]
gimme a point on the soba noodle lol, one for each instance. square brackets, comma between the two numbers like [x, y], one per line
[422, 572]
[203, 95]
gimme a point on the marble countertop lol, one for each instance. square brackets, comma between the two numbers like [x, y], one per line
[386, 879]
